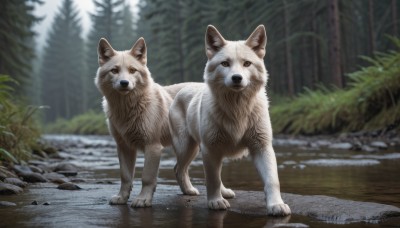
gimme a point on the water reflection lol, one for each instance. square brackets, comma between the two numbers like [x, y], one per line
[187, 217]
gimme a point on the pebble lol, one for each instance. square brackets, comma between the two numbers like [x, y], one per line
[68, 186]
[15, 181]
[35, 203]
[7, 204]
[379, 144]
[36, 169]
[33, 177]
[65, 167]
[341, 146]
[68, 173]
[21, 169]
[9, 189]
[55, 178]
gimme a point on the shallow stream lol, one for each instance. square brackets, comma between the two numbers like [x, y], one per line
[355, 175]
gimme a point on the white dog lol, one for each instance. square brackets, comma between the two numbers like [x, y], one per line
[227, 117]
[137, 115]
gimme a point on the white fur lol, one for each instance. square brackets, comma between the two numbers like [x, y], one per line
[227, 119]
[137, 115]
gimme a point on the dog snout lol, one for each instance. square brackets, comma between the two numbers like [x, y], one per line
[124, 83]
[237, 78]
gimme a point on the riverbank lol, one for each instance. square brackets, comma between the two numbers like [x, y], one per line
[90, 166]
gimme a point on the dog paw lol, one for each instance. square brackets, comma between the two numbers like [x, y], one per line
[191, 191]
[227, 193]
[141, 202]
[218, 204]
[117, 199]
[279, 210]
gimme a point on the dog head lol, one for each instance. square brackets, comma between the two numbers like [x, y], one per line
[236, 65]
[122, 71]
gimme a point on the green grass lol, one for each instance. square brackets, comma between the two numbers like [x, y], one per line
[19, 133]
[89, 123]
[370, 102]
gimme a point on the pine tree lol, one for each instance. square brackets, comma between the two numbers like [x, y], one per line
[63, 66]
[106, 22]
[126, 33]
[16, 40]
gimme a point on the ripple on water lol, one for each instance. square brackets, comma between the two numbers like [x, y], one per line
[341, 162]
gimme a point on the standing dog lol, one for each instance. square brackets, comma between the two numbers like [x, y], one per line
[137, 115]
[227, 117]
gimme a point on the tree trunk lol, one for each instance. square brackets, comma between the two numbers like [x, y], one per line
[288, 51]
[394, 17]
[371, 27]
[180, 43]
[334, 47]
[316, 51]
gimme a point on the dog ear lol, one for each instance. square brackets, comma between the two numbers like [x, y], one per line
[258, 40]
[214, 41]
[139, 50]
[104, 51]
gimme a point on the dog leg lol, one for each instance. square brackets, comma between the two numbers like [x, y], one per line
[127, 160]
[186, 150]
[152, 155]
[212, 168]
[227, 193]
[265, 162]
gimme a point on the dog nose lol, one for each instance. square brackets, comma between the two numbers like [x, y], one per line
[124, 83]
[237, 78]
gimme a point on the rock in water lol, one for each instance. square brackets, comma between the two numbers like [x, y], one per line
[379, 144]
[32, 177]
[68, 186]
[9, 189]
[66, 167]
[339, 211]
[341, 146]
[6, 204]
[15, 181]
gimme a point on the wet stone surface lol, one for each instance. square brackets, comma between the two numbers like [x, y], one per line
[304, 168]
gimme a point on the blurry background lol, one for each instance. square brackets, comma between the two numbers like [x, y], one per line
[314, 55]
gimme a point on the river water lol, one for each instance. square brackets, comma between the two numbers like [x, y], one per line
[355, 175]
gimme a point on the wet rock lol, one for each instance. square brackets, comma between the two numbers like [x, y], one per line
[9, 189]
[68, 173]
[379, 144]
[40, 154]
[55, 177]
[15, 181]
[19, 169]
[367, 148]
[341, 146]
[32, 177]
[340, 211]
[35, 203]
[68, 186]
[36, 169]
[66, 167]
[290, 225]
[4, 173]
[46, 203]
[7, 204]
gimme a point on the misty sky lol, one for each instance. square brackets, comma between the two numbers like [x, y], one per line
[50, 7]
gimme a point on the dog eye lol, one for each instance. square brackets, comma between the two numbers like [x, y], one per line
[225, 63]
[246, 63]
[114, 71]
[132, 70]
